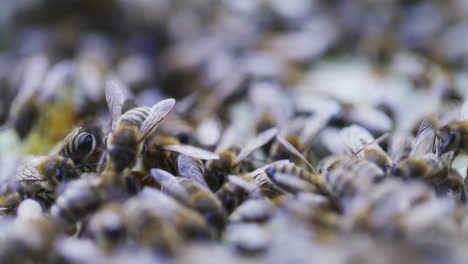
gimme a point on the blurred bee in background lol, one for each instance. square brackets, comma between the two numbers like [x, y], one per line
[130, 128]
[231, 156]
[193, 195]
[312, 116]
[24, 110]
[41, 100]
[272, 107]
[366, 116]
[300, 134]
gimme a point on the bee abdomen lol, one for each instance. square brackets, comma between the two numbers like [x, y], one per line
[135, 116]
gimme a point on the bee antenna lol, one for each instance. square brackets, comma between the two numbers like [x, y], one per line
[376, 141]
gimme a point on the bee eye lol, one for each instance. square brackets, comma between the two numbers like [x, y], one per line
[85, 144]
[58, 174]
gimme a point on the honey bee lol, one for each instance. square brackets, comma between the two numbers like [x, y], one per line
[129, 129]
[343, 176]
[26, 105]
[29, 223]
[190, 224]
[164, 151]
[429, 167]
[452, 136]
[38, 177]
[77, 146]
[422, 162]
[361, 144]
[9, 201]
[32, 104]
[234, 191]
[300, 132]
[193, 195]
[179, 129]
[400, 147]
[158, 234]
[388, 206]
[253, 211]
[278, 172]
[272, 107]
[80, 198]
[352, 177]
[108, 227]
[249, 239]
[231, 156]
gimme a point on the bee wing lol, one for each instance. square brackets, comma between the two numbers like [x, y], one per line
[400, 146]
[424, 142]
[55, 78]
[243, 183]
[355, 138]
[371, 118]
[293, 183]
[191, 151]
[115, 98]
[256, 143]
[157, 113]
[169, 183]
[62, 144]
[294, 151]
[261, 170]
[27, 169]
[312, 127]
[190, 168]
[269, 97]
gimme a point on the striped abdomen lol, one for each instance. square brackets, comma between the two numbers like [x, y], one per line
[79, 147]
[352, 177]
[134, 117]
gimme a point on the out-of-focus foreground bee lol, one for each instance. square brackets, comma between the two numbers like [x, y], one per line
[35, 101]
[193, 195]
[129, 129]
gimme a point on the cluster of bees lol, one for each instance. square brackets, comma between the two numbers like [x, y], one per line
[191, 131]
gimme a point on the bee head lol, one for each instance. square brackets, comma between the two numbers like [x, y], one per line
[447, 140]
[59, 170]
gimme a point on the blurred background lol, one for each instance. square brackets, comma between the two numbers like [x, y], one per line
[401, 56]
